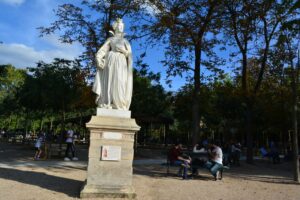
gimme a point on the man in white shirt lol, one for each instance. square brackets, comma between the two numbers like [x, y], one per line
[38, 147]
[70, 145]
[215, 164]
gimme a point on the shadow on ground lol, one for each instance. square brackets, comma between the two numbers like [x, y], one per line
[264, 172]
[261, 172]
[160, 171]
[58, 184]
[16, 152]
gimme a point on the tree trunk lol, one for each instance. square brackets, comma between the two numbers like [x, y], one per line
[295, 82]
[249, 109]
[109, 19]
[196, 120]
[10, 120]
[51, 123]
[249, 135]
[62, 132]
[295, 122]
[42, 123]
[245, 74]
[17, 122]
[26, 122]
[196, 98]
[167, 128]
[295, 141]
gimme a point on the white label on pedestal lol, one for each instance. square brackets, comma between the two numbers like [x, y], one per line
[112, 135]
[111, 153]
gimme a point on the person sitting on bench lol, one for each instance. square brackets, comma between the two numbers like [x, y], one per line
[199, 160]
[176, 157]
[235, 153]
[273, 153]
[215, 163]
[199, 149]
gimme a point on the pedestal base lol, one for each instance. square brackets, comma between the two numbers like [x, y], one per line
[94, 191]
[104, 112]
[109, 172]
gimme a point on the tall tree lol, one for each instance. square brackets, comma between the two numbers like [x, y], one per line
[253, 26]
[289, 52]
[188, 31]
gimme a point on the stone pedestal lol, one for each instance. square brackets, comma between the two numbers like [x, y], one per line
[109, 172]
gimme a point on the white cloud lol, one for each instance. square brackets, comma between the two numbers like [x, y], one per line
[22, 56]
[21, 47]
[53, 40]
[13, 2]
[149, 7]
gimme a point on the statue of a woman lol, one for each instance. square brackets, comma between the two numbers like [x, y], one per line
[113, 81]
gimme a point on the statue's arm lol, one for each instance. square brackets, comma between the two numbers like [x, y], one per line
[128, 53]
[128, 93]
[100, 55]
[125, 48]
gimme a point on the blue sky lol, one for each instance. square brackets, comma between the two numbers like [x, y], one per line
[22, 46]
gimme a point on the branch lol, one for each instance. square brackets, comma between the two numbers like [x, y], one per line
[186, 28]
[207, 20]
[233, 16]
[187, 68]
[268, 38]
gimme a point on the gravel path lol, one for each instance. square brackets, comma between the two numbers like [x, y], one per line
[21, 178]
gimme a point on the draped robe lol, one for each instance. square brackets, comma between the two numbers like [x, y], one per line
[113, 80]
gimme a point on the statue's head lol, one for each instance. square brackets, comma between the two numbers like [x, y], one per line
[118, 26]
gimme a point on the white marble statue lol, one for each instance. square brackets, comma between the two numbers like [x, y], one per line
[113, 81]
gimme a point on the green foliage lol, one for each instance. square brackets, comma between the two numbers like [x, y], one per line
[11, 80]
[54, 92]
[149, 98]
[47, 91]
[220, 107]
[59, 86]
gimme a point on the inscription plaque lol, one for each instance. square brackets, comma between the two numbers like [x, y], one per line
[112, 153]
[112, 135]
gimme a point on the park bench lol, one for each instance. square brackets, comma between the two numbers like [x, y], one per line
[199, 160]
[194, 166]
[224, 167]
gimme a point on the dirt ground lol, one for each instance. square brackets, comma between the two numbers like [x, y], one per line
[21, 178]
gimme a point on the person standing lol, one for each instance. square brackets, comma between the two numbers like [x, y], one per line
[38, 147]
[70, 145]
